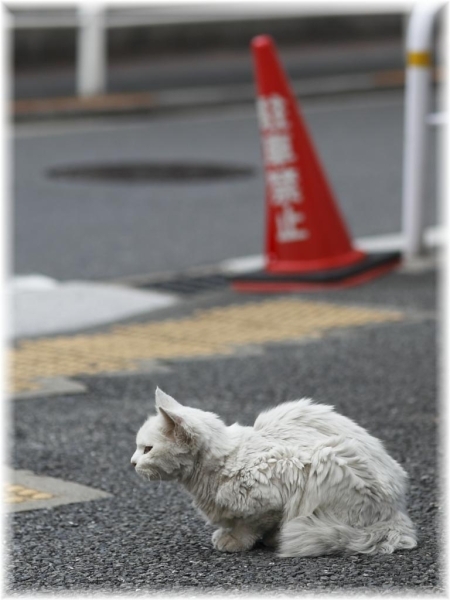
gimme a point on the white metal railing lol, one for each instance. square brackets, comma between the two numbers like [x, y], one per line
[164, 12]
[93, 20]
[419, 46]
[91, 50]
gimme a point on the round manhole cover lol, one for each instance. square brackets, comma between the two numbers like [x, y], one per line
[151, 172]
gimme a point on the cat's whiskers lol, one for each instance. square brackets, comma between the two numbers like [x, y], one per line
[151, 475]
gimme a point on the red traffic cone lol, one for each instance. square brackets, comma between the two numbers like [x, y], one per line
[307, 242]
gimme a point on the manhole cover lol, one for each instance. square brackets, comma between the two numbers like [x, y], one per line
[151, 172]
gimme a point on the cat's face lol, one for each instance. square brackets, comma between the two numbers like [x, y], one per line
[166, 444]
[171, 444]
[159, 455]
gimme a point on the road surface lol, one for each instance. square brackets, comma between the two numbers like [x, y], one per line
[84, 229]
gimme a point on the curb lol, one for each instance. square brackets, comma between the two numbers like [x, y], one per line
[200, 97]
[433, 239]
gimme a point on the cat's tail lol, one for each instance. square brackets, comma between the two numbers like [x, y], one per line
[321, 533]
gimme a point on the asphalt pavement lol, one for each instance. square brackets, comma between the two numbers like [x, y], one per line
[147, 537]
[75, 228]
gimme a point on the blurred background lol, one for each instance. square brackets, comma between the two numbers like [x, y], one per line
[136, 143]
[168, 46]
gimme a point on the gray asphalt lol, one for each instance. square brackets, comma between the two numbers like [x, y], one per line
[94, 230]
[149, 538]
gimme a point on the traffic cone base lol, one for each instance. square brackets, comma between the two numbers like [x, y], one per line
[372, 266]
[305, 266]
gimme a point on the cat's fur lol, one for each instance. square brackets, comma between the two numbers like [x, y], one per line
[303, 479]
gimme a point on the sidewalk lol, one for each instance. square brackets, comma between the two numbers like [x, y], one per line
[44, 306]
[369, 351]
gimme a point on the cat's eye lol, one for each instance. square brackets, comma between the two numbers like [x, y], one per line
[147, 449]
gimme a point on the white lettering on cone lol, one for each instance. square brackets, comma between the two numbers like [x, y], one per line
[278, 149]
[272, 112]
[263, 110]
[287, 222]
[284, 179]
[284, 186]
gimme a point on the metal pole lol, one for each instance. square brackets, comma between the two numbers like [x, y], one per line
[417, 100]
[91, 50]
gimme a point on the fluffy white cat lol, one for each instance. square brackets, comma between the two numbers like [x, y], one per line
[303, 479]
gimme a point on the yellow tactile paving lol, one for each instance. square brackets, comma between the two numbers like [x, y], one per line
[18, 493]
[216, 331]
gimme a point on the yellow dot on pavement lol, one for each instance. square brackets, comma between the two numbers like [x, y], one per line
[26, 492]
[20, 493]
[42, 496]
[14, 499]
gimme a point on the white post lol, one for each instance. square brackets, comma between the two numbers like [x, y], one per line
[91, 50]
[417, 100]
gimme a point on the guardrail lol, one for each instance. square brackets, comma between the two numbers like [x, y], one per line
[419, 46]
[93, 19]
[91, 50]
[165, 12]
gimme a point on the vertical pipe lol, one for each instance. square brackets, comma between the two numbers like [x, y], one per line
[414, 166]
[91, 50]
[417, 100]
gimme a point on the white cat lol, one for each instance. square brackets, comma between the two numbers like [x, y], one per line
[303, 479]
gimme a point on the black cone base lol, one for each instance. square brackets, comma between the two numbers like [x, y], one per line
[371, 266]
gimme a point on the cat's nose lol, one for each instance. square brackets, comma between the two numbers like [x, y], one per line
[133, 464]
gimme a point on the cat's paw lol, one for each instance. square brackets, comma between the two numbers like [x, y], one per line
[226, 540]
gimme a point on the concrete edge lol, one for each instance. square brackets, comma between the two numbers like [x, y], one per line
[63, 492]
[153, 102]
[433, 239]
[52, 386]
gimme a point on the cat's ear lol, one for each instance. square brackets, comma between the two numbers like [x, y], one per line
[163, 400]
[175, 426]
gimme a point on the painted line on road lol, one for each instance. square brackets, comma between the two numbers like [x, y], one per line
[25, 490]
